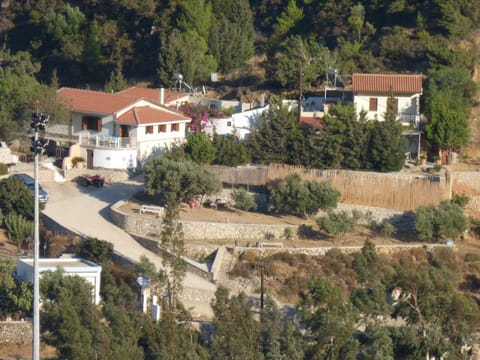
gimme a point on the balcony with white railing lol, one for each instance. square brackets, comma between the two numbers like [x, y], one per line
[107, 141]
[410, 120]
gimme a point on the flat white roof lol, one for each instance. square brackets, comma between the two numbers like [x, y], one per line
[67, 264]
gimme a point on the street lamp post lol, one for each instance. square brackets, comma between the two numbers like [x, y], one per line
[39, 122]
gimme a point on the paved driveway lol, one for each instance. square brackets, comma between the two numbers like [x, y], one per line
[85, 210]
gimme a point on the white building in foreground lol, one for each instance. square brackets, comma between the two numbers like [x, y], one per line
[87, 270]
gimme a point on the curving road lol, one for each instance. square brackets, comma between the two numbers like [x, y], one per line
[85, 210]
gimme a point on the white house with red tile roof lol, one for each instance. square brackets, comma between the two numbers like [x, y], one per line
[117, 131]
[374, 93]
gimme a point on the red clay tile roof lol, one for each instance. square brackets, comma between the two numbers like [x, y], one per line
[148, 115]
[382, 84]
[89, 101]
[94, 101]
[151, 94]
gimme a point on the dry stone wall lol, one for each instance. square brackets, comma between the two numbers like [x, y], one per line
[203, 230]
[399, 190]
[15, 332]
[196, 230]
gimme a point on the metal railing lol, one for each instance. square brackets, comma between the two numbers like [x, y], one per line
[412, 120]
[107, 141]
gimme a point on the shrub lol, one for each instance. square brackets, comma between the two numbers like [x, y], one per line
[338, 223]
[77, 159]
[448, 220]
[3, 169]
[301, 198]
[387, 229]
[472, 257]
[249, 256]
[460, 200]
[18, 228]
[98, 251]
[16, 197]
[287, 233]
[243, 200]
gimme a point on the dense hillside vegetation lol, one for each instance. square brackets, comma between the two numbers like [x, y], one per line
[85, 40]
[109, 45]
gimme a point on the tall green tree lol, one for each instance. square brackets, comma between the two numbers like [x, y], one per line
[70, 321]
[185, 53]
[16, 297]
[288, 19]
[448, 128]
[199, 148]
[173, 252]
[347, 138]
[20, 91]
[427, 296]
[294, 55]
[230, 151]
[386, 151]
[236, 335]
[117, 81]
[329, 321]
[271, 141]
[232, 33]
[64, 32]
[16, 198]
[377, 344]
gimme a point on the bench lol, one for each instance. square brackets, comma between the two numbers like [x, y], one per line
[159, 210]
[270, 245]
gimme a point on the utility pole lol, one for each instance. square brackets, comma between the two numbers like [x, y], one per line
[39, 122]
[262, 275]
[300, 93]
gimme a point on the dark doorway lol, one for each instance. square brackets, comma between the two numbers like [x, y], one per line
[89, 159]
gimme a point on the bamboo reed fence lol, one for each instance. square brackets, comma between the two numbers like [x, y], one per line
[399, 191]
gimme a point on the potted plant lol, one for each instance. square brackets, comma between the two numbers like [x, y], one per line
[78, 162]
[423, 159]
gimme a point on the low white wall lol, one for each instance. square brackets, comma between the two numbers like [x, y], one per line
[113, 159]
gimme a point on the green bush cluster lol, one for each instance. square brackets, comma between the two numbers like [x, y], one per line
[296, 197]
[243, 200]
[3, 169]
[18, 228]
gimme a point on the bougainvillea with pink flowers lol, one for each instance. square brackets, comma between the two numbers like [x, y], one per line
[201, 115]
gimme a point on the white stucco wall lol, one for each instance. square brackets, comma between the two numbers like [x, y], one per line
[160, 136]
[407, 105]
[85, 269]
[241, 123]
[113, 158]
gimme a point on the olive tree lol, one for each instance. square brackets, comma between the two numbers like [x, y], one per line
[301, 198]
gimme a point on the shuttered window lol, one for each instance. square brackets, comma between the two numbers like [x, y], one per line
[373, 104]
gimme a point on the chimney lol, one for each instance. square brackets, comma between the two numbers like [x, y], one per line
[262, 100]
[162, 96]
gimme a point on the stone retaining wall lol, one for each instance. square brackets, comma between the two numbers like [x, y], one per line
[217, 263]
[15, 332]
[320, 251]
[196, 230]
[203, 230]
[192, 266]
[196, 295]
[110, 176]
[470, 179]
